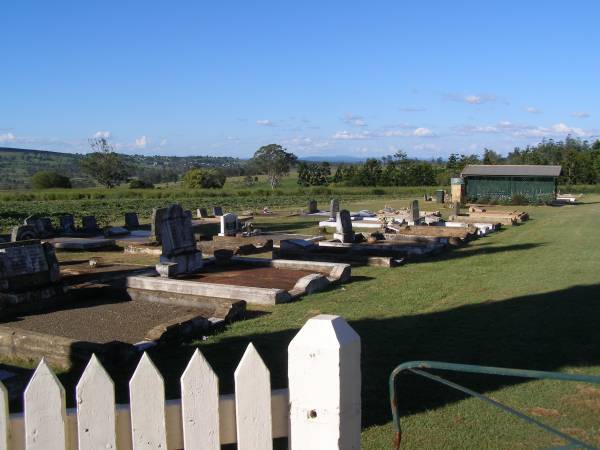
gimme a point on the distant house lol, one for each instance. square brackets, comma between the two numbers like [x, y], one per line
[536, 183]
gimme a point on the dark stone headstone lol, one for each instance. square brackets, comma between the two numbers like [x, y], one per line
[229, 225]
[179, 252]
[217, 211]
[29, 272]
[312, 207]
[334, 208]
[415, 215]
[67, 224]
[343, 227]
[23, 233]
[131, 220]
[202, 213]
[89, 224]
[42, 225]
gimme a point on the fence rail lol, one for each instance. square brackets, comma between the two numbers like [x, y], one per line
[418, 368]
[321, 408]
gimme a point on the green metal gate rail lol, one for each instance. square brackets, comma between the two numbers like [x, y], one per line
[416, 367]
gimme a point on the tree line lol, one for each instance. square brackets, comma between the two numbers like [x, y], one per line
[580, 160]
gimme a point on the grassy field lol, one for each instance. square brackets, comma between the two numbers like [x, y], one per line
[527, 297]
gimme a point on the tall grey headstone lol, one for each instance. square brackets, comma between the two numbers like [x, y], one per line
[334, 208]
[415, 215]
[343, 227]
[156, 221]
[131, 220]
[179, 252]
[312, 206]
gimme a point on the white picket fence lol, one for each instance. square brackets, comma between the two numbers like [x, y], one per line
[320, 410]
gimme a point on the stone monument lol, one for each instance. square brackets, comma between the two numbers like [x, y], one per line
[179, 252]
[89, 225]
[415, 215]
[131, 220]
[67, 224]
[334, 208]
[23, 233]
[217, 211]
[343, 227]
[229, 225]
[312, 207]
[29, 275]
[157, 217]
[201, 213]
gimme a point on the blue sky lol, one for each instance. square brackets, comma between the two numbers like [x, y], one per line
[337, 78]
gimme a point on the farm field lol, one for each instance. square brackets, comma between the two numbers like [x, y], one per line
[527, 297]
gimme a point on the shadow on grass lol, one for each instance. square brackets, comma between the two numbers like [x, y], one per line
[481, 249]
[544, 331]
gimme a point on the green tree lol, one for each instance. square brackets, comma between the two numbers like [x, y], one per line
[105, 165]
[274, 161]
[204, 178]
[491, 157]
[49, 179]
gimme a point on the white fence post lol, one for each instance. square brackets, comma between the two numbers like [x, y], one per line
[45, 414]
[253, 402]
[95, 393]
[324, 383]
[4, 418]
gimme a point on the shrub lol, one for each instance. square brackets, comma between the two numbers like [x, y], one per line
[49, 179]
[204, 178]
[140, 184]
[518, 199]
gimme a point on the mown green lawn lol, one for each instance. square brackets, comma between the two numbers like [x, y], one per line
[527, 297]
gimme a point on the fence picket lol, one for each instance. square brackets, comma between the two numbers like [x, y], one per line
[253, 402]
[4, 417]
[45, 414]
[147, 398]
[96, 408]
[200, 405]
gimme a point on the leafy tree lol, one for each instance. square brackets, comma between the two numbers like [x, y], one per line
[104, 165]
[49, 179]
[274, 161]
[491, 157]
[204, 178]
[313, 174]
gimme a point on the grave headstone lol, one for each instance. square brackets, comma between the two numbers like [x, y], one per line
[179, 252]
[334, 208]
[67, 224]
[456, 209]
[229, 225]
[217, 211]
[157, 217]
[89, 224]
[23, 233]
[131, 220]
[343, 227]
[29, 273]
[115, 231]
[415, 215]
[42, 225]
[312, 207]
[202, 213]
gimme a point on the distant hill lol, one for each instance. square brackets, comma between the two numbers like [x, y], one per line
[17, 165]
[333, 159]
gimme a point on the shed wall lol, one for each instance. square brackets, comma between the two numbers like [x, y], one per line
[504, 188]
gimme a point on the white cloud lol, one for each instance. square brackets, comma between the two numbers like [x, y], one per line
[525, 131]
[265, 123]
[351, 119]
[7, 137]
[349, 136]
[472, 99]
[423, 132]
[580, 115]
[102, 134]
[163, 142]
[532, 110]
[141, 142]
